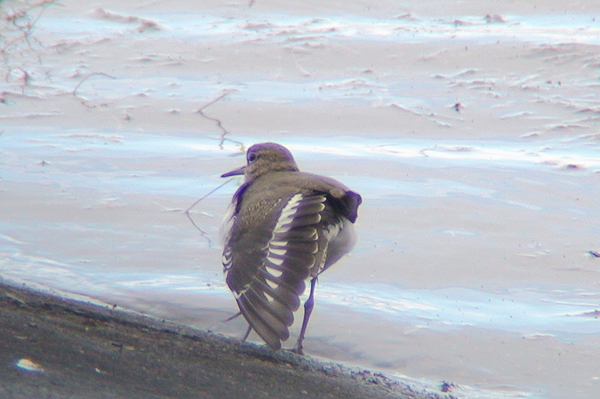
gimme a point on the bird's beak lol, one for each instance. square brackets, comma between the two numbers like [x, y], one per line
[235, 172]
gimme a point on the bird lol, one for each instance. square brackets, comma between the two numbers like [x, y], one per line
[282, 229]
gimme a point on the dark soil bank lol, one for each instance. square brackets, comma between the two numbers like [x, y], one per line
[52, 347]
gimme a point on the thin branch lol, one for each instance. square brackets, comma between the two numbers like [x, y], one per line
[187, 211]
[225, 94]
[218, 121]
[74, 92]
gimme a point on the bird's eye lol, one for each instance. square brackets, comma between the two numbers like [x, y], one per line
[251, 157]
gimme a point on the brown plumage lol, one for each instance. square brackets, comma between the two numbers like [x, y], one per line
[285, 227]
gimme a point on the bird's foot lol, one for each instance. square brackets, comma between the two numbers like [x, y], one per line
[298, 349]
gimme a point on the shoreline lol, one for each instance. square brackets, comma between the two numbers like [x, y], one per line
[56, 347]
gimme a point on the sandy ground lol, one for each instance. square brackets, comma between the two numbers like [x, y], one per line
[470, 129]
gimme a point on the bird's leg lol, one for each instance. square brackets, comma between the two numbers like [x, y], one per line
[232, 317]
[308, 307]
[247, 333]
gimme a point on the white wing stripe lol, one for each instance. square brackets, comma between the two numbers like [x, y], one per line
[274, 272]
[272, 284]
[275, 261]
[288, 212]
[277, 248]
[276, 251]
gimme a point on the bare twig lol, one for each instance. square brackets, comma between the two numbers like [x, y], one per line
[74, 92]
[187, 211]
[83, 99]
[25, 77]
[17, 23]
[223, 95]
[27, 27]
[218, 121]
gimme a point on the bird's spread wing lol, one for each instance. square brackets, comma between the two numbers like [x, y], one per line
[267, 268]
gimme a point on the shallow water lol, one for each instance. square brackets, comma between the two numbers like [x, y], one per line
[474, 143]
[104, 212]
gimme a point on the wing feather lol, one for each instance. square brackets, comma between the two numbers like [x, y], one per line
[280, 267]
